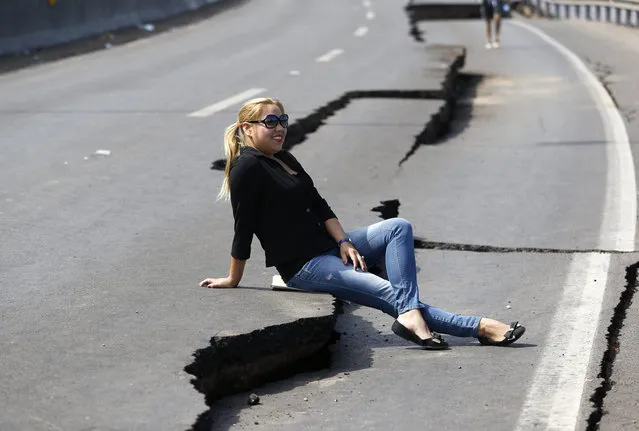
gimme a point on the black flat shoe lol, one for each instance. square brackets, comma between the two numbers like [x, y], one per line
[436, 342]
[512, 335]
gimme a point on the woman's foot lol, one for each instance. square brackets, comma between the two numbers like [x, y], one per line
[435, 342]
[495, 333]
[412, 327]
[414, 322]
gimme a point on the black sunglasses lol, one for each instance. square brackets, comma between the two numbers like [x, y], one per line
[271, 121]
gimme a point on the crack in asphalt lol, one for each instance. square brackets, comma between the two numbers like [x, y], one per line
[434, 128]
[452, 118]
[479, 248]
[390, 209]
[604, 72]
[413, 29]
[614, 346]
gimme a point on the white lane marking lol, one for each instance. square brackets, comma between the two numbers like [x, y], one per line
[361, 31]
[370, 15]
[555, 395]
[554, 398]
[366, 3]
[228, 102]
[618, 226]
[329, 55]
[294, 72]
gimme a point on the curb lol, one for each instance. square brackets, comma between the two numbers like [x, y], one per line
[432, 11]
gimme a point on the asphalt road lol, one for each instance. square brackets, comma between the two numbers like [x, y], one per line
[101, 254]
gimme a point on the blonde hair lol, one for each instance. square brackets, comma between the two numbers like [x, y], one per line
[234, 137]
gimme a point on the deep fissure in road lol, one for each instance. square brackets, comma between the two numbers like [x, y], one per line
[238, 363]
[478, 248]
[434, 127]
[390, 209]
[614, 346]
[453, 118]
[413, 28]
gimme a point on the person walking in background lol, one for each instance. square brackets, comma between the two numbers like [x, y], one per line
[492, 10]
[274, 199]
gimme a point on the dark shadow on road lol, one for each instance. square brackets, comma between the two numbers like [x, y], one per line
[472, 342]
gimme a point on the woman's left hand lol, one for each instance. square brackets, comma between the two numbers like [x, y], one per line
[348, 251]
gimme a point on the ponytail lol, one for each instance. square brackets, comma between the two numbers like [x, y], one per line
[234, 138]
[232, 143]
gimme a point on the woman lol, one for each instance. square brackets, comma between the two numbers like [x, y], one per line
[274, 198]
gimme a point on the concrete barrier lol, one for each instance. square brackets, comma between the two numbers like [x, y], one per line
[431, 10]
[30, 24]
[434, 10]
[620, 13]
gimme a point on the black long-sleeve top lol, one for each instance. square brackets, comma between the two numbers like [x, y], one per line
[283, 210]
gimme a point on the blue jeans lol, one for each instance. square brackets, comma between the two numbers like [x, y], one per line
[391, 240]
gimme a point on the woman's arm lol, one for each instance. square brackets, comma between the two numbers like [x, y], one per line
[346, 249]
[235, 275]
[334, 229]
[245, 183]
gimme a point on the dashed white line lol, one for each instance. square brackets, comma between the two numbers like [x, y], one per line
[228, 102]
[556, 391]
[370, 15]
[329, 55]
[366, 3]
[361, 31]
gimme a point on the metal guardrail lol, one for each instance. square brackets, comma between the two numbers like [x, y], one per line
[614, 12]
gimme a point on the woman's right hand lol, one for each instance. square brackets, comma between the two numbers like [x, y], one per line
[218, 283]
